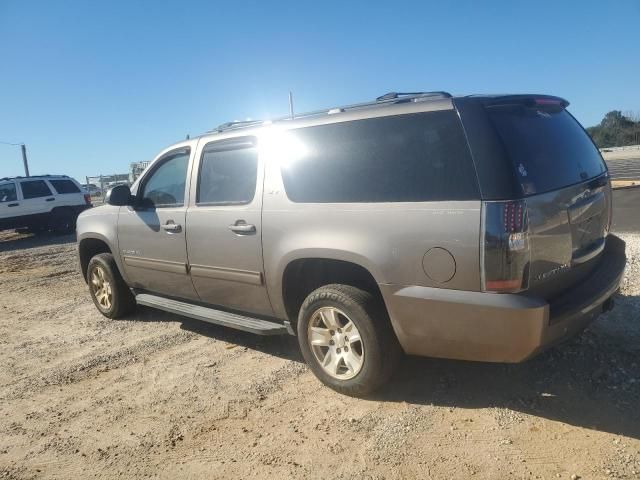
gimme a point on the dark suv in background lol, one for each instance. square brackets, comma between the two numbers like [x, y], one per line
[470, 227]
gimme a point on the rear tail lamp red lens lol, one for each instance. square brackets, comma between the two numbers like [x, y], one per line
[505, 252]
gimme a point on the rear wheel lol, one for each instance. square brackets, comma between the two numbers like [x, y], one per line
[347, 340]
[109, 292]
[63, 220]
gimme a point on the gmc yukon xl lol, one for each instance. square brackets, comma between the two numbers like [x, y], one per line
[467, 227]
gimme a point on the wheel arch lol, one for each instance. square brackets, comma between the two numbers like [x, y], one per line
[302, 275]
[90, 246]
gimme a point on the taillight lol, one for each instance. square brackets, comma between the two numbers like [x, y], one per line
[87, 199]
[505, 253]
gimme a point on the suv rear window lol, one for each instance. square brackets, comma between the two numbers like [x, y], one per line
[405, 158]
[548, 149]
[34, 189]
[64, 186]
[228, 173]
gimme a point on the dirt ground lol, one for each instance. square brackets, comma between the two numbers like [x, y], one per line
[156, 395]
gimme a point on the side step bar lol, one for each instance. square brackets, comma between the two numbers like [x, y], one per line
[218, 317]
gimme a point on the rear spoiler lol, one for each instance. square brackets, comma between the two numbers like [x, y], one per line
[531, 101]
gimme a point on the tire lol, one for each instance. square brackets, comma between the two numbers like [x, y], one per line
[63, 221]
[364, 365]
[114, 300]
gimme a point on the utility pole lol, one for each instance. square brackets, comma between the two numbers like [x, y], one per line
[24, 159]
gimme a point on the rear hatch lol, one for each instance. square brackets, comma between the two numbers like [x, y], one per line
[563, 184]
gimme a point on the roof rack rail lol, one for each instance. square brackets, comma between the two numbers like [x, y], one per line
[236, 124]
[21, 177]
[396, 95]
[387, 98]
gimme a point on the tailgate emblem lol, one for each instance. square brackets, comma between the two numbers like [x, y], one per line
[552, 272]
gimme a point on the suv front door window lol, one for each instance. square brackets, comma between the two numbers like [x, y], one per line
[8, 192]
[9, 205]
[166, 184]
[151, 233]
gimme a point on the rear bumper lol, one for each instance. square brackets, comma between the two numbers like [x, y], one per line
[437, 322]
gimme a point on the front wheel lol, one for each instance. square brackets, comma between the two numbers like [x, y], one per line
[109, 292]
[347, 340]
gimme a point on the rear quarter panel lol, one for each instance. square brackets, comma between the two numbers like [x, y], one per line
[388, 239]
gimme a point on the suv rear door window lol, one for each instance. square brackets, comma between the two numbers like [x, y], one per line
[547, 148]
[64, 186]
[406, 158]
[8, 192]
[228, 173]
[34, 189]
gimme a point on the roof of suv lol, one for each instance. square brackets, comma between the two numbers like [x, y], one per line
[34, 177]
[391, 98]
[381, 106]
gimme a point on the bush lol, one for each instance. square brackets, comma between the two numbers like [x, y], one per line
[616, 130]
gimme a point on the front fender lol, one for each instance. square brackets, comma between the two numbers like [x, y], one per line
[101, 223]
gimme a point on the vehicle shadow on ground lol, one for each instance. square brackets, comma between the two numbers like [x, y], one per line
[10, 241]
[529, 388]
[591, 381]
[282, 346]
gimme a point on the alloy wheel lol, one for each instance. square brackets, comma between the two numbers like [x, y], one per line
[101, 288]
[336, 343]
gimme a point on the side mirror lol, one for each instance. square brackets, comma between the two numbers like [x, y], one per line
[119, 196]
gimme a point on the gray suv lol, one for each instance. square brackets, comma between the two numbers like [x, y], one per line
[467, 227]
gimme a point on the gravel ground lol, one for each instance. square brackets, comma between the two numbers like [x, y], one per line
[156, 395]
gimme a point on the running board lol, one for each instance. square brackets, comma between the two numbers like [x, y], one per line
[218, 317]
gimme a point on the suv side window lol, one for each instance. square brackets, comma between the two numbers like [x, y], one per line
[165, 185]
[34, 189]
[8, 192]
[228, 173]
[405, 158]
[64, 186]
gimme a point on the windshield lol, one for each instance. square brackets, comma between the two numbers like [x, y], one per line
[548, 149]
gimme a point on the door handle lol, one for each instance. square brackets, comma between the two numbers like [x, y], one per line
[13, 205]
[50, 199]
[242, 228]
[172, 227]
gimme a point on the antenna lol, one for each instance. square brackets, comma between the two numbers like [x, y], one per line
[291, 105]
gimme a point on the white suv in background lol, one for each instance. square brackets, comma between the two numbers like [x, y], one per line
[40, 203]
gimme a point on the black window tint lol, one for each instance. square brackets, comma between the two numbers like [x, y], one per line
[548, 149]
[8, 192]
[165, 187]
[407, 158]
[64, 186]
[34, 189]
[228, 174]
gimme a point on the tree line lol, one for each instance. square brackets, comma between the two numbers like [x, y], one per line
[616, 130]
